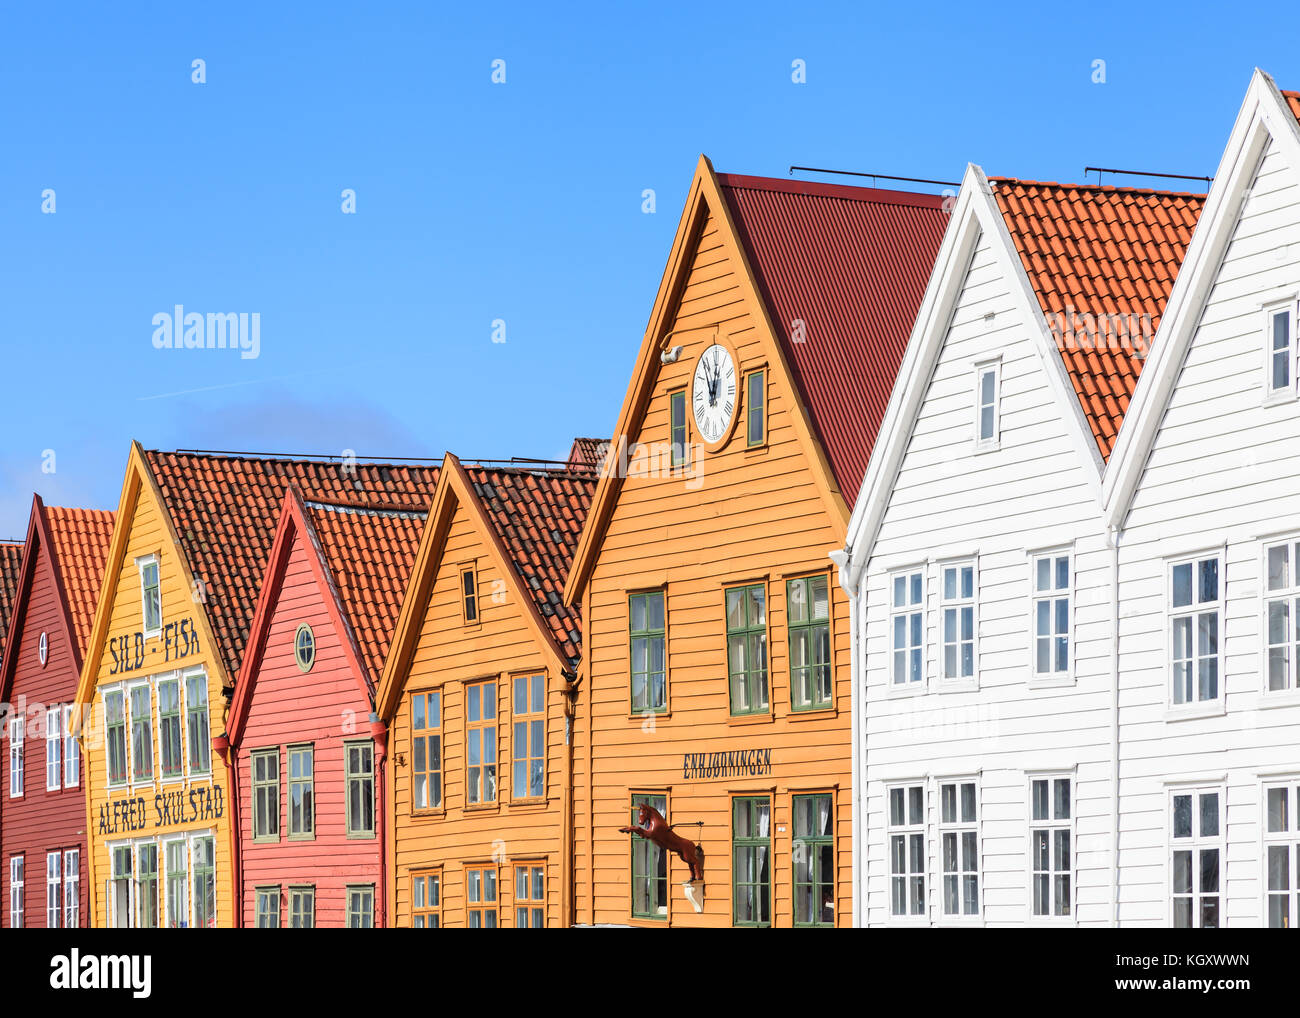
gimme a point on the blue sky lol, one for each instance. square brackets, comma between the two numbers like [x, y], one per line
[478, 201]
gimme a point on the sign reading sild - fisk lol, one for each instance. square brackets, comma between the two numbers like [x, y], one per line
[729, 764]
[179, 640]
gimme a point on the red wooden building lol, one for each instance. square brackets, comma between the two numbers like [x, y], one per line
[42, 799]
[308, 761]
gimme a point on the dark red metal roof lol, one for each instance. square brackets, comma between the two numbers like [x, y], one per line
[852, 264]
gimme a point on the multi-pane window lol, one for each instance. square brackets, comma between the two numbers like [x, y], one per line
[808, 607]
[71, 752]
[1282, 615]
[119, 888]
[959, 848]
[907, 626]
[302, 908]
[814, 861]
[1051, 608]
[528, 715]
[1196, 843]
[747, 648]
[958, 612]
[205, 883]
[176, 899]
[649, 865]
[115, 735]
[141, 734]
[751, 864]
[1282, 853]
[677, 427]
[1280, 351]
[481, 742]
[359, 765]
[481, 898]
[146, 886]
[426, 750]
[302, 792]
[469, 595]
[16, 729]
[53, 744]
[171, 761]
[196, 712]
[1195, 610]
[151, 596]
[426, 900]
[986, 406]
[268, 908]
[53, 889]
[530, 896]
[16, 892]
[907, 851]
[646, 633]
[266, 794]
[72, 888]
[1051, 846]
[361, 907]
[755, 408]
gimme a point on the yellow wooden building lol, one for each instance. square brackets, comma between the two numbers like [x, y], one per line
[715, 680]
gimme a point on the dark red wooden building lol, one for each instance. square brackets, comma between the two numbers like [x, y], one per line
[309, 762]
[42, 800]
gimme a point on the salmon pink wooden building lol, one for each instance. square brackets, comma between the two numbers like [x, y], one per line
[42, 802]
[309, 762]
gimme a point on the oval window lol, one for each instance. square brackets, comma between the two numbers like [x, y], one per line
[304, 647]
[43, 648]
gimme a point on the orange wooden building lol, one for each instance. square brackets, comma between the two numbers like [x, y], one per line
[715, 680]
[478, 695]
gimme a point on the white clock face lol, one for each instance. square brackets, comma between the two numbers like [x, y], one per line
[713, 393]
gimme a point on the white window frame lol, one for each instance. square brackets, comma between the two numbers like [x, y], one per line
[1287, 393]
[1195, 707]
[110, 886]
[1288, 838]
[72, 888]
[53, 889]
[127, 689]
[140, 563]
[959, 827]
[982, 368]
[184, 772]
[186, 674]
[17, 878]
[71, 751]
[907, 831]
[906, 574]
[105, 692]
[1054, 677]
[17, 769]
[1196, 844]
[1052, 824]
[168, 917]
[1290, 593]
[957, 604]
[53, 745]
[195, 837]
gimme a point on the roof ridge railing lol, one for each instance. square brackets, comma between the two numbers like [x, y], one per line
[875, 176]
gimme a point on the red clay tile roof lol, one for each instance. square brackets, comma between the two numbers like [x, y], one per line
[586, 453]
[369, 552]
[11, 561]
[852, 264]
[80, 538]
[1293, 100]
[1099, 251]
[538, 515]
[225, 509]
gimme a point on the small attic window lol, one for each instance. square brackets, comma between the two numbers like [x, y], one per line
[150, 595]
[43, 648]
[1280, 352]
[304, 647]
[987, 394]
[469, 595]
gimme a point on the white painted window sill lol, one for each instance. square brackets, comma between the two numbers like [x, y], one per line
[1194, 711]
[1279, 698]
[1051, 682]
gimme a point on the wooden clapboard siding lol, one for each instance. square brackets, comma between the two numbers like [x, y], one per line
[448, 655]
[1223, 472]
[950, 502]
[740, 515]
[40, 820]
[328, 708]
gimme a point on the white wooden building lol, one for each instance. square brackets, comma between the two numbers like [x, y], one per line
[980, 566]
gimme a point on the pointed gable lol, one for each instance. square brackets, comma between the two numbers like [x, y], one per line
[1097, 250]
[851, 264]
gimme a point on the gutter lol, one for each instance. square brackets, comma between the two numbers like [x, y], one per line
[379, 733]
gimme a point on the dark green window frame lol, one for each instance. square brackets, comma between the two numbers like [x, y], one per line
[115, 735]
[197, 722]
[171, 757]
[302, 907]
[649, 865]
[268, 907]
[361, 906]
[751, 860]
[264, 768]
[812, 685]
[204, 854]
[302, 819]
[814, 859]
[140, 705]
[146, 885]
[677, 427]
[746, 608]
[359, 771]
[651, 681]
[756, 408]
